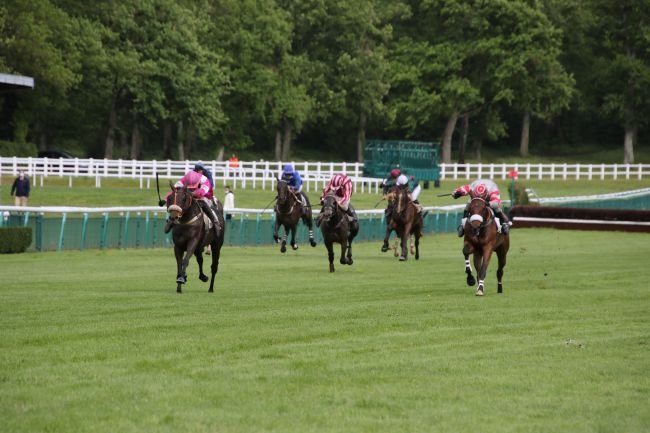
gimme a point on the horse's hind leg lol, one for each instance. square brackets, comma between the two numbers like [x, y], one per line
[216, 253]
[308, 220]
[349, 255]
[199, 260]
[501, 255]
[417, 246]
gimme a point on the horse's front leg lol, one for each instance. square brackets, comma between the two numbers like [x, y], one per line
[467, 250]
[405, 239]
[349, 255]
[417, 246]
[330, 253]
[181, 277]
[482, 270]
[216, 253]
[199, 260]
[385, 246]
[501, 255]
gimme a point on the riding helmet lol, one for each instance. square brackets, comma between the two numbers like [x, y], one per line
[288, 169]
[402, 180]
[481, 191]
[395, 172]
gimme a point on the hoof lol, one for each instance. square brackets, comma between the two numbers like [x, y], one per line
[384, 248]
[343, 261]
[479, 291]
[470, 280]
[294, 247]
[283, 249]
[350, 261]
[402, 258]
[178, 290]
[203, 278]
[181, 280]
[312, 242]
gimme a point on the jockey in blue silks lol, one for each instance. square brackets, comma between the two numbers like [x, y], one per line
[293, 179]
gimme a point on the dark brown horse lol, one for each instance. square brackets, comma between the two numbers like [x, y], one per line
[336, 227]
[481, 239]
[288, 211]
[405, 220]
[191, 233]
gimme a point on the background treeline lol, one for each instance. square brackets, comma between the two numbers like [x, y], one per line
[284, 79]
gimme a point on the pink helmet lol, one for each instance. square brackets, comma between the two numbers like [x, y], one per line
[481, 191]
[395, 172]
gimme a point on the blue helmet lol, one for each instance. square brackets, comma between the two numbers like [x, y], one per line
[288, 169]
[199, 166]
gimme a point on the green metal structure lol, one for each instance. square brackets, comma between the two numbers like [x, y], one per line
[416, 158]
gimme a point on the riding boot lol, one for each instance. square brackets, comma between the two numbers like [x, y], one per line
[505, 222]
[352, 214]
[205, 204]
[418, 206]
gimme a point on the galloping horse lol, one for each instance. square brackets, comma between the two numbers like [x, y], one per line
[288, 210]
[405, 220]
[481, 238]
[335, 227]
[191, 233]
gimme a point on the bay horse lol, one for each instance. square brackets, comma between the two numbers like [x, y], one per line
[288, 212]
[405, 220]
[191, 232]
[336, 227]
[481, 239]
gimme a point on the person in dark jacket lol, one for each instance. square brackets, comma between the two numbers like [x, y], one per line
[20, 189]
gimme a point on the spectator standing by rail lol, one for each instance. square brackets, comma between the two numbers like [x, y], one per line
[20, 189]
[228, 202]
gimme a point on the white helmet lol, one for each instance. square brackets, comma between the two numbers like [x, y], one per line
[402, 180]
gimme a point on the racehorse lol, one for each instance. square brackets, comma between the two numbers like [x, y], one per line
[191, 233]
[288, 210]
[336, 227]
[405, 220]
[481, 239]
[389, 229]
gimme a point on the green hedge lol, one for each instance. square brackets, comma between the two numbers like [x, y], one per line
[15, 239]
[14, 148]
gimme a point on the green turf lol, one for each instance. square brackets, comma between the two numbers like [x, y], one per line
[98, 341]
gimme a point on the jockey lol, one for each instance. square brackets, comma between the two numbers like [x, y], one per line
[341, 185]
[201, 191]
[293, 179]
[391, 180]
[413, 185]
[489, 191]
[200, 168]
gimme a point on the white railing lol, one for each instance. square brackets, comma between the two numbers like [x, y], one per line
[315, 174]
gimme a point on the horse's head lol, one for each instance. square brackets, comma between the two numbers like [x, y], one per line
[479, 214]
[178, 202]
[330, 207]
[283, 191]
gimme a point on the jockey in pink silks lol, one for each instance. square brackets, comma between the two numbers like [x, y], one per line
[201, 191]
[488, 191]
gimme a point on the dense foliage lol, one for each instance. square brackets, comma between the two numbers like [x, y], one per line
[282, 78]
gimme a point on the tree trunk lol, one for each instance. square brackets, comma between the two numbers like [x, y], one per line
[109, 145]
[286, 141]
[167, 140]
[463, 138]
[361, 136]
[179, 143]
[278, 145]
[628, 144]
[478, 143]
[136, 141]
[446, 139]
[220, 152]
[525, 134]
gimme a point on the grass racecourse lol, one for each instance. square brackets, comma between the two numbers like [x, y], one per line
[98, 341]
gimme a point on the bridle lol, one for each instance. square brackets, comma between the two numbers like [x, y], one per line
[330, 209]
[283, 196]
[484, 218]
[179, 206]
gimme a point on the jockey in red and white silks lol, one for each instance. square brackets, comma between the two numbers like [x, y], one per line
[488, 191]
[341, 185]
